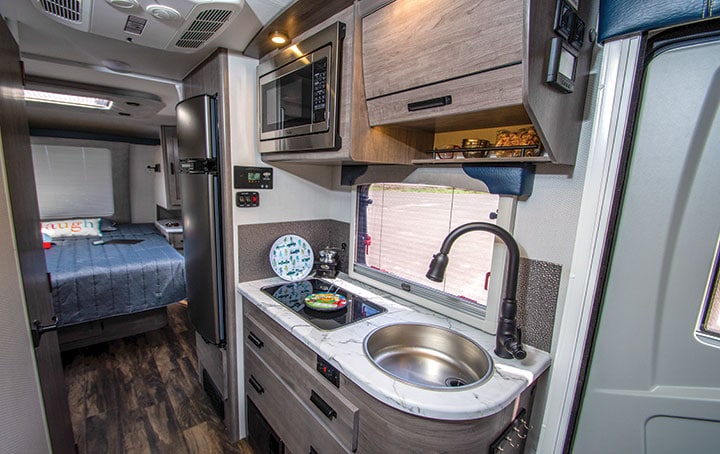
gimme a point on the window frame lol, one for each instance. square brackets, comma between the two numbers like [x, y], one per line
[486, 319]
[712, 287]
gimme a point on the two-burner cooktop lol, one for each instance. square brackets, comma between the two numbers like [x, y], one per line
[293, 294]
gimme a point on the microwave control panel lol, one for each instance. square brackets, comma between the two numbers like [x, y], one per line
[319, 89]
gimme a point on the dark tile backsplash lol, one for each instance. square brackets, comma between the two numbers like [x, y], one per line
[538, 288]
[255, 241]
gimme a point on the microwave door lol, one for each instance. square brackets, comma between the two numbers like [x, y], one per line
[286, 103]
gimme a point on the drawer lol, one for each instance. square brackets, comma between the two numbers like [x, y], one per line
[493, 93]
[282, 335]
[298, 427]
[321, 397]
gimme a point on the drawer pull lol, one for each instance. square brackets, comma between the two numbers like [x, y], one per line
[255, 340]
[326, 409]
[255, 384]
[430, 103]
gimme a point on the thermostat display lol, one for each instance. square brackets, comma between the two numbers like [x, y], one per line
[562, 63]
[252, 177]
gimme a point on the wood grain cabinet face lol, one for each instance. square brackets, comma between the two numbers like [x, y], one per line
[444, 65]
[486, 60]
[412, 43]
[295, 398]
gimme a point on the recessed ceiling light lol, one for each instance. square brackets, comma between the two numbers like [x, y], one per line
[279, 38]
[124, 4]
[163, 12]
[68, 100]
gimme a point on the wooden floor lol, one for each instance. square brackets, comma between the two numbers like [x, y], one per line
[141, 394]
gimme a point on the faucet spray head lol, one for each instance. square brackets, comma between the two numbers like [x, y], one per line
[437, 267]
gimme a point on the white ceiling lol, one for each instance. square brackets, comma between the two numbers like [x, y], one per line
[52, 50]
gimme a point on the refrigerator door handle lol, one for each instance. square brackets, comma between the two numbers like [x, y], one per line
[194, 166]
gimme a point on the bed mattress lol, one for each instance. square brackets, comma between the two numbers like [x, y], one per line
[91, 282]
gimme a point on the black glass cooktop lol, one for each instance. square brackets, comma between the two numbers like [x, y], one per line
[293, 294]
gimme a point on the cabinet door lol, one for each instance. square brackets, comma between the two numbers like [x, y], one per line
[298, 427]
[171, 161]
[411, 43]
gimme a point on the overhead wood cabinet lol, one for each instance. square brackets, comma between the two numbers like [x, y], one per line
[450, 65]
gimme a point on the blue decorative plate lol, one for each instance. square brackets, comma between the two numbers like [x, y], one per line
[291, 257]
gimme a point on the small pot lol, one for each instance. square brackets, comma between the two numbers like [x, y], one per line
[476, 153]
[327, 256]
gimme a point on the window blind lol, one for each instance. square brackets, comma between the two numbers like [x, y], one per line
[73, 181]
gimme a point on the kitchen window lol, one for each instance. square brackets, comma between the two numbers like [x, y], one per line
[400, 226]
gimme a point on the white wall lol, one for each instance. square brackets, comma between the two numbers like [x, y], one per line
[309, 192]
[143, 184]
[313, 195]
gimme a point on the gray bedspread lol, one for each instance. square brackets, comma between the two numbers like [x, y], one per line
[91, 282]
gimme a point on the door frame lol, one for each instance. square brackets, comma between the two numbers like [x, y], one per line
[19, 179]
[616, 103]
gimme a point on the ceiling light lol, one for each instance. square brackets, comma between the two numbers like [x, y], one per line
[124, 4]
[162, 12]
[68, 100]
[279, 38]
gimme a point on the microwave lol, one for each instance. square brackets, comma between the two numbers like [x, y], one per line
[298, 94]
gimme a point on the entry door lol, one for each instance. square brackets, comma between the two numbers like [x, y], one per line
[654, 380]
[20, 181]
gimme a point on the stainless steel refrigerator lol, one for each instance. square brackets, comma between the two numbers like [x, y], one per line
[198, 142]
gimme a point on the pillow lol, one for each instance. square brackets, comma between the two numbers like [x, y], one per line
[71, 228]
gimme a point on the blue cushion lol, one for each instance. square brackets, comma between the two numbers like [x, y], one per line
[622, 17]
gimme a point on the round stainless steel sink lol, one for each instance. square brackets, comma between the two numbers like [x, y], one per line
[428, 356]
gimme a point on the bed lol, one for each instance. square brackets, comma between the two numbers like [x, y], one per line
[132, 276]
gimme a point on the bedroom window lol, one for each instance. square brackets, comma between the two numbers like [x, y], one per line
[399, 227]
[73, 181]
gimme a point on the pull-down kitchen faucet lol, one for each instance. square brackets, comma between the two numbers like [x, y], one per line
[507, 339]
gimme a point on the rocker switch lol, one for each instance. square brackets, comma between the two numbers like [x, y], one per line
[328, 371]
[247, 199]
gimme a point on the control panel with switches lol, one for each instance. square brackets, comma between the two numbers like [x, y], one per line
[247, 199]
[328, 371]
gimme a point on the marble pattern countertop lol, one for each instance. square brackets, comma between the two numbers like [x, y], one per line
[343, 348]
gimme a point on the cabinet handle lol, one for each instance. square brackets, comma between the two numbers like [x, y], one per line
[255, 340]
[326, 409]
[255, 384]
[430, 103]
[172, 169]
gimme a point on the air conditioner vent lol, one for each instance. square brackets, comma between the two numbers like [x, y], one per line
[69, 10]
[203, 28]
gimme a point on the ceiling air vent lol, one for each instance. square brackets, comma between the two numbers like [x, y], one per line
[73, 13]
[203, 28]
[69, 10]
